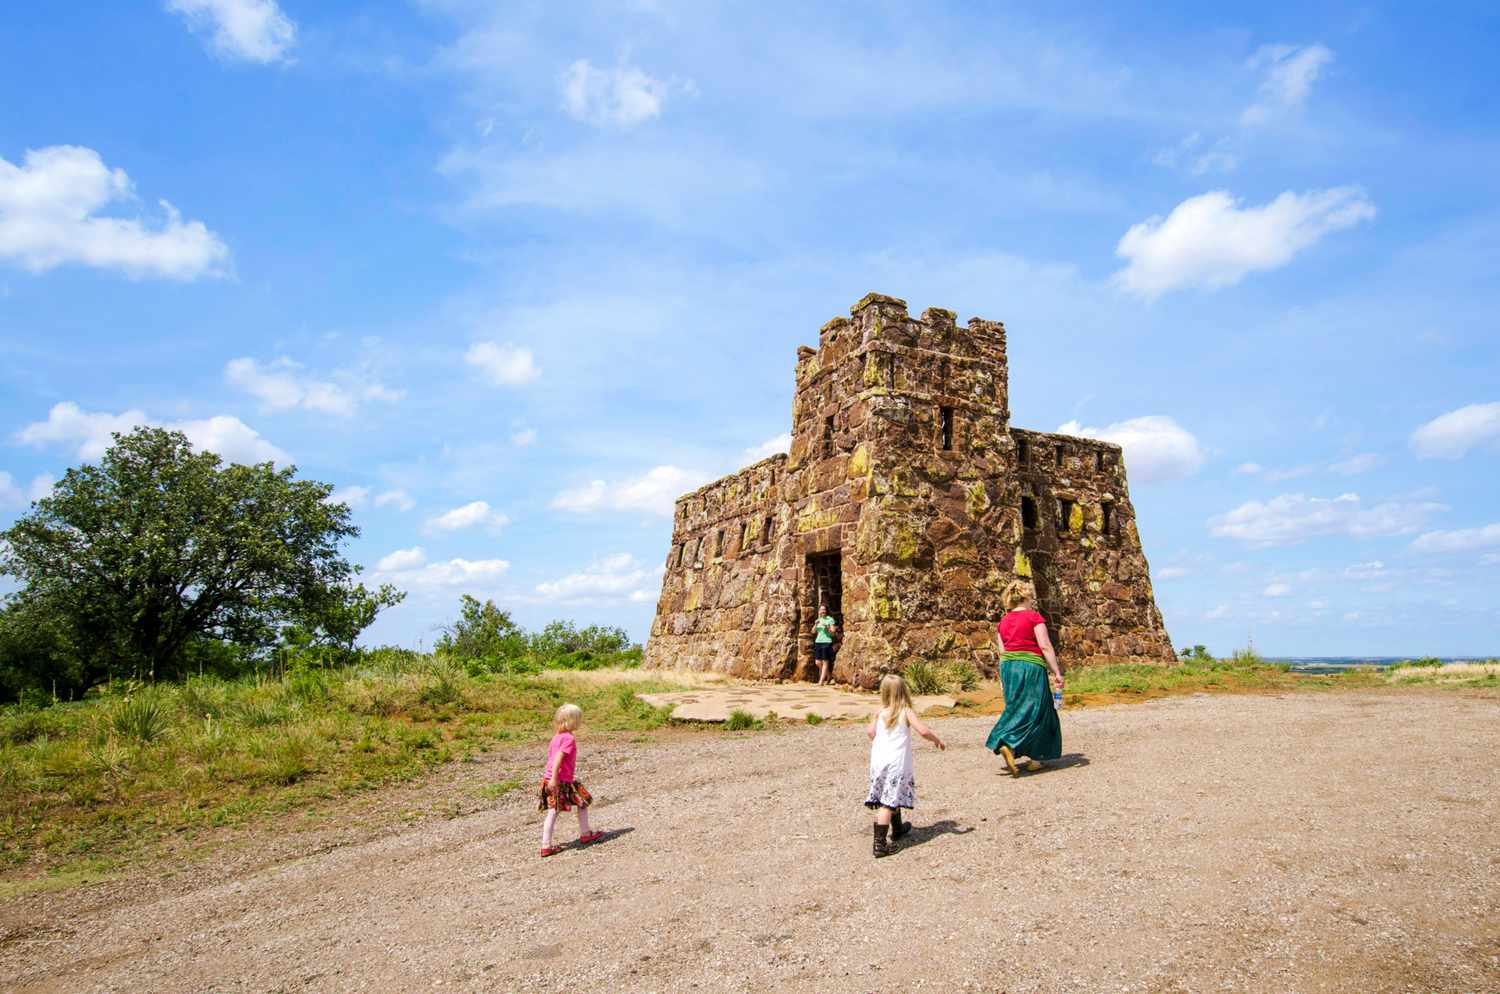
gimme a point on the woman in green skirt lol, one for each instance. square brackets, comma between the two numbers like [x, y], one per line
[1029, 726]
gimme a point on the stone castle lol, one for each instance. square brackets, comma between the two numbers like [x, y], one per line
[905, 505]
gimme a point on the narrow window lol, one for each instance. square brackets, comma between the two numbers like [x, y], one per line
[681, 550]
[946, 416]
[719, 547]
[1058, 455]
[1064, 514]
[773, 476]
[1023, 454]
[890, 374]
[1106, 516]
[765, 531]
[1028, 513]
[828, 435]
[1099, 460]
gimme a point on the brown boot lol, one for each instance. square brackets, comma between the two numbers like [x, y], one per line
[882, 847]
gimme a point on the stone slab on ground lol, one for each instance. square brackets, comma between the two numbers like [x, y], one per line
[787, 700]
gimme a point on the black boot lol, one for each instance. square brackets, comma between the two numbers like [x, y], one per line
[882, 847]
[899, 828]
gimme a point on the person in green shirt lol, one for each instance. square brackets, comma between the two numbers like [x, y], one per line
[823, 630]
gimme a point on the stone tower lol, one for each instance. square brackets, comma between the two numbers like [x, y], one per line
[904, 507]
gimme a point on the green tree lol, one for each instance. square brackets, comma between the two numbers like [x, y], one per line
[158, 546]
[482, 631]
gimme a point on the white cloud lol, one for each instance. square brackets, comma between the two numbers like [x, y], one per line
[1156, 447]
[1277, 590]
[1216, 614]
[10, 494]
[49, 217]
[1191, 155]
[402, 559]
[41, 486]
[355, 497]
[523, 438]
[504, 365]
[623, 97]
[654, 493]
[468, 516]
[768, 448]
[1452, 435]
[1354, 465]
[1293, 518]
[1373, 570]
[282, 384]
[1211, 241]
[400, 498]
[473, 574]
[251, 30]
[615, 577]
[1172, 572]
[1459, 540]
[1248, 468]
[1291, 71]
[89, 433]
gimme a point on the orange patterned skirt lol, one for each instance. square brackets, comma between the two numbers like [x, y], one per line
[564, 797]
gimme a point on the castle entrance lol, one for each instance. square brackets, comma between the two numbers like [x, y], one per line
[822, 591]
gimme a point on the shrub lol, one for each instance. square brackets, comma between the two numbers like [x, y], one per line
[739, 721]
[141, 717]
[444, 686]
[23, 724]
[814, 718]
[1424, 662]
[922, 678]
[962, 676]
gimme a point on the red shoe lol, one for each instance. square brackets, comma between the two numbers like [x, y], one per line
[584, 840]
[549, 850]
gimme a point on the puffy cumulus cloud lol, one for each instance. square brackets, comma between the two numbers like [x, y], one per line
[471, 515]
[402, 559]
[655, 492]
[768, 448]
[1277, 590]
[1458, 540]
[1452, 435]
[283, 384]
[623, 97]
[619, 577]
[355, 497]
[1156, 447]
[1290, 71]
[1212, 241]
[247, 30]
[504, 365]
[49, 217]
[398, 498]
[409, 569]
[88, 434]
[1293, 518]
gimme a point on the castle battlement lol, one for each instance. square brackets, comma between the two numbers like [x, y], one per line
[905, 504]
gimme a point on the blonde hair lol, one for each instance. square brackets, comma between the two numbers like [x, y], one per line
[895, 698]
[568, 717]
[1017, 592]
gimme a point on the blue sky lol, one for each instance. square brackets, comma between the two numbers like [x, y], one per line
[515, 275]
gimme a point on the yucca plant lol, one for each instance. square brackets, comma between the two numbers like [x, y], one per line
[921, 678]
[141, 717]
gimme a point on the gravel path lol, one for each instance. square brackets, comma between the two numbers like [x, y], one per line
[1309, 842]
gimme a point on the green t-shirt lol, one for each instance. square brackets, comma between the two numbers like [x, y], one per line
[822, 629]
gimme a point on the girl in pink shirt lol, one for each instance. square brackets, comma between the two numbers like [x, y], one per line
[560, 792]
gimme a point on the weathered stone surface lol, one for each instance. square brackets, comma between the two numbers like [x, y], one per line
[903, 466]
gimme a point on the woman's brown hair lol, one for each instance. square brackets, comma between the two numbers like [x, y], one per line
[1017, 592]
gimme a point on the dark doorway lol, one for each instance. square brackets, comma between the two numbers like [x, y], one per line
[824, 592]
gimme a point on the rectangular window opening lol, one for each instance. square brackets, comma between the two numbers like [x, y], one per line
[1028, 513]
[828, 435]
[1106, 517]
[1058, 455]
[681, 551]
[946, 417]
[1099, 461]
[719, 547]
[765, 531]
[1023, 452]
[890, 374]
[1064, 514]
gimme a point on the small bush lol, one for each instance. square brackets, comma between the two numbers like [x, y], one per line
[24, 724]
[962, 676]
[814, 719]
[922, 678]
[444, 687]
[142, 717]
[739, 721]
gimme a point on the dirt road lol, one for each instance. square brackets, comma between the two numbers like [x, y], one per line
[1310, 842]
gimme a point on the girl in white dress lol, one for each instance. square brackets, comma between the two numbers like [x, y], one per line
[892, 784]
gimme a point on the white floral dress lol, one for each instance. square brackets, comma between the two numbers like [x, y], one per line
[892, 783]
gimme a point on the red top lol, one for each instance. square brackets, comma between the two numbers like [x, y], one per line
[1018, 631]
[564, 749]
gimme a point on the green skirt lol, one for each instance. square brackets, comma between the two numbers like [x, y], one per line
[1029, 725]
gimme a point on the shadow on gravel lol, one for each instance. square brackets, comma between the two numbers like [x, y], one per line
[610, 835]
[924, 833]
[1066, 761]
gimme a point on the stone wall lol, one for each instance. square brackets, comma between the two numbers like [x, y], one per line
[906, 485]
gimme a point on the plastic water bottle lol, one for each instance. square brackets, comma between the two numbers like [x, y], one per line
[1057, 700]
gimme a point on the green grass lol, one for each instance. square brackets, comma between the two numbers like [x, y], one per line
[104, 778]
[922, 678]
[739, 721]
